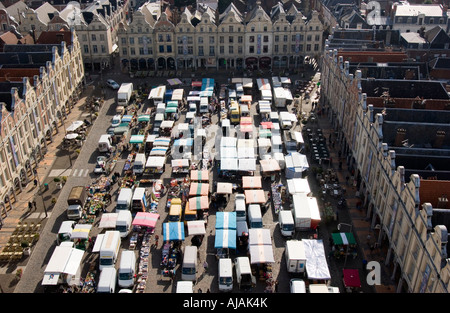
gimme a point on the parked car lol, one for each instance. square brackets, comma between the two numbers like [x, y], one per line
[116, 120]
[100, 167]
[112, 84]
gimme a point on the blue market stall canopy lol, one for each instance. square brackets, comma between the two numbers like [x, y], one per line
[225, 238]
[127, 118]
[173, 231]
[225, 220]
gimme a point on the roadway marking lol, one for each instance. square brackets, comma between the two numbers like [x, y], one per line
[80, 172]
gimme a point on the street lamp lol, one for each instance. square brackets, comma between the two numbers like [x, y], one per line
[348, 245]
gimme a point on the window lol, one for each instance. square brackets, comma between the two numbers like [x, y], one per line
[200, 51]
[93, 37]
[131, 40]
[300, 48]
[308, 38]
[285, 38]
[86, 48]
[211, 51]
[317, 38]
[265, 49]
[277, 38]
[275, 48]
[140, 40]
[200, 39]
[190, 50]
[230, 39]
[252, 29]
[230, 29]
[221, 49]
[221, 39]
[251, 49]
[240, 49]
[265, 28]
[285, 49]
[168, 38]
[180, 49]
[292, 48]
[240, 39]
[181, 30]
[230, 49]
[94, 48]
[308, 47]
[102, 37]
[266, 38]
[132, 51]
[252, 38]
[141, 51]
[316, 47]
[124, 51]
[160, 38]
[103, 48]
[169, 48]
[211, 39]
[84, 37]
[161, 49]
[124, 40]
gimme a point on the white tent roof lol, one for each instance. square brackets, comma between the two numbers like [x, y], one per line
[316, 261]
[297, 160]
[196, 227]
[64, 260]
[155, 161]
[298, 185]
[228, 142]
[247, 164]
[108, 220]
[229, 164]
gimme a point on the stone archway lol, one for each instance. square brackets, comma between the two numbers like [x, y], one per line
[24, 177]
[17, 185]
[43, 147]
[3, 211]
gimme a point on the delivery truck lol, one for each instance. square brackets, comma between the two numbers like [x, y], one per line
[286, 222]
[305, 212]
[244, 276]
[76, 200]
[124, 94]
[295, 257]
[189, 266]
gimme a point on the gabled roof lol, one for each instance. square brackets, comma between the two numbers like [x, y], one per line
[435, 33]
[55, 37]
[440, 63]
[231, 8]
[254, 12]
[16, 9]
[45, 12]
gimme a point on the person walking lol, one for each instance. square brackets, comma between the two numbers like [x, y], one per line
[30, 205]
[205, 266]
[34, 204]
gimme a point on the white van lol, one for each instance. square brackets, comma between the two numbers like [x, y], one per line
[286, 221]
[109, 249]
[139, 200]
[74, 211]
[127, 268]
[65, 231]
[239, 207]
[254, 216]
[297, 285]
[124, 199]
[185, 286]
[189, 266]
[139, 163]
[105, 143]
[204, 105]
[244, 276]
[107, 280]
[123, 223]
[225, 275]
[295, 257]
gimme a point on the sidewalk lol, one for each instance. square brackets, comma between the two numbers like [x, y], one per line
[20, 211]
[361, 227]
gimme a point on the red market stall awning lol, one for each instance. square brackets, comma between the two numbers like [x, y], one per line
[267, 125]
[197, 175]
[255, 196]
[351, 278]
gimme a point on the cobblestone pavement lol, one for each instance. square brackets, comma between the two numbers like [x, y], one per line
[207, 280]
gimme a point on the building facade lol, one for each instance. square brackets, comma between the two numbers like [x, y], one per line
[201, 38]
[34, 103]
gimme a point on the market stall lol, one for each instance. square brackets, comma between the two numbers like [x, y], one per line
[278, 196]
[298, 185]
[269, 167]
[224, 188]
[225, 220]
[200, 175]
[63, 267]
[256, 196]
[247, 166]
[344, 244]
[352, 282]
[296, 165]
[199, 189]
[155, 165]
[80, 236]
[316, 260]
[225, 238]
[108, 220]
[173, 231]
[196, 228]
[251, 182]
[180, 166]
[199, 203]
[146, 220]
[166, 128]
[159, 151]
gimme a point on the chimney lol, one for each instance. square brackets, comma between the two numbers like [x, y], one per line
[400, 137]
[439, 139]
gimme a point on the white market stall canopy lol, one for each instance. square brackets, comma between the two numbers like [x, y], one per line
[71, 136]
[137, 139]
[316, 260]
[196, 228]
[259, 236]
[228, 153]
[224, 188]
[155, 162]
[159, 151]
[162, 142]
[228, 142]
[108, 220]
[157, 93]
[229, 164]
[269, 165]
[178, 94]
[261, 254]
[298, 185]
[247, 165]
[64, 260]
[180, 163]
[296, 164]
[74, 126]
[167, 124]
